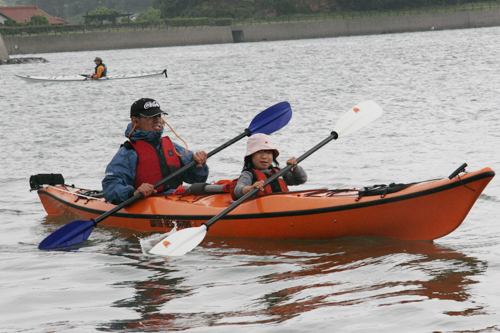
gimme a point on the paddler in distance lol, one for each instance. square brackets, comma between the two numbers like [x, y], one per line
[147, 157]
[100, 69]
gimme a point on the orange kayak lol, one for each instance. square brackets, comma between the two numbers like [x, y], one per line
[420, 211]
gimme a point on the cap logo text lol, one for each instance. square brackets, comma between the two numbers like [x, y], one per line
[151, 104]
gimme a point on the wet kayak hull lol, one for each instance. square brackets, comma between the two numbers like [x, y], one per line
[423, 211]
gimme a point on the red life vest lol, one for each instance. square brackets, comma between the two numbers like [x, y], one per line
[153, 165]
[276, 186]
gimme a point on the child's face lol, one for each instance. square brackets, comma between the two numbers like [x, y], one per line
[262, 159]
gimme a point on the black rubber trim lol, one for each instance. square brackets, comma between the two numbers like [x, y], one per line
[287, 213]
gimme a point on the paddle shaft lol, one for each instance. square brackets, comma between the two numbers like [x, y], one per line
[333, 136]
[172, 175]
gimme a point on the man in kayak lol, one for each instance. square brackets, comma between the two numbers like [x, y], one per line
[148, 157]
[100, 69]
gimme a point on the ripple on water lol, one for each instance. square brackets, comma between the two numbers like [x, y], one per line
[439, 94]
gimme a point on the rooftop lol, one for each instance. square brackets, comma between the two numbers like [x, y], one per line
[24, 14]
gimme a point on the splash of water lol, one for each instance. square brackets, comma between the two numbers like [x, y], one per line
[148, 242]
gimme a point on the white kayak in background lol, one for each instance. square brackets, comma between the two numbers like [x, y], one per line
[81, 77]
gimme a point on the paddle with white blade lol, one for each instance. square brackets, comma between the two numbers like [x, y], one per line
[183, 241]
[267, 122]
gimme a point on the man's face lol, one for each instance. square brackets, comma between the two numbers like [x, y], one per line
[154, 123]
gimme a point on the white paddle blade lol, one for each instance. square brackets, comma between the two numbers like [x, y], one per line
[181, 242]
[358, 117]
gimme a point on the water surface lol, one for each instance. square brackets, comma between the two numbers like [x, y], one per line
[440, 93]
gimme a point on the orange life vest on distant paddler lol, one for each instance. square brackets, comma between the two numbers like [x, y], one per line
[155, 164]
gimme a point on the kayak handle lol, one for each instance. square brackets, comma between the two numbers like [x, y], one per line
[456, 172]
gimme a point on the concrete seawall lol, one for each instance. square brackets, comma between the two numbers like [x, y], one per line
[250, 33]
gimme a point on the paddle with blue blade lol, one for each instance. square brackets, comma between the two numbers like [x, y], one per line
[185, 240]
[73, 233]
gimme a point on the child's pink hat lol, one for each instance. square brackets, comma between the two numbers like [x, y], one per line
[258, 142]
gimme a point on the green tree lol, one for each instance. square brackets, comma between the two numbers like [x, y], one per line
[284, 7]
[174, 8]
[12, 23]
[152, 16]
[102, 14]
[104, 11]
[39, 19]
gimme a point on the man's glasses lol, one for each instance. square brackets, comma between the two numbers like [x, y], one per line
[157, 116]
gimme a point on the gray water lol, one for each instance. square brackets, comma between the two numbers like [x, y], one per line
[440, 93]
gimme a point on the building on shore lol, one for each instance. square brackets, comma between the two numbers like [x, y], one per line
[24, 13]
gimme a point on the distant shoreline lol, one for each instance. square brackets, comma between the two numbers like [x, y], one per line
[13, 61]
[251, 33]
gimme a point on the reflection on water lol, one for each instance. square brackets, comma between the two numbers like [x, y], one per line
[283, 279]
[439, 91]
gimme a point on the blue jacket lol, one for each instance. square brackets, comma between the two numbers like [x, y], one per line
[118, 183]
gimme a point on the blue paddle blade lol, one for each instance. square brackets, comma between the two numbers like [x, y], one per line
[71, 234]
[271, 119]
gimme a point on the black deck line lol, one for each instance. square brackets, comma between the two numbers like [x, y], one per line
[359, 204]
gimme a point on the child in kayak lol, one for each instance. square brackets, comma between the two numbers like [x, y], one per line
[258, 167]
